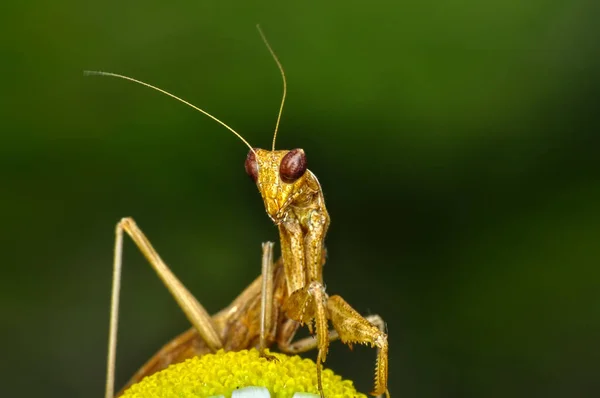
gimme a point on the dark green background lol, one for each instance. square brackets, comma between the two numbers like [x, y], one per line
[456, 142]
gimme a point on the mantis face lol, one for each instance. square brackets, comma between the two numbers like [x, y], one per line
[280, 178]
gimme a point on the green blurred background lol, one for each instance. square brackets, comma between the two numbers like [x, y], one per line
[456, 142]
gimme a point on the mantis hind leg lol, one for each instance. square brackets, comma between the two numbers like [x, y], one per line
[194, 311]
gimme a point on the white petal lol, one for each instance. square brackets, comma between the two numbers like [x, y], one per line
[251, 392]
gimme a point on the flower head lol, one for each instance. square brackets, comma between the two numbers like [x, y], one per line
[223, 373]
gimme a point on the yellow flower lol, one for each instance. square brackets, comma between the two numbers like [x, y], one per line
[223, 373]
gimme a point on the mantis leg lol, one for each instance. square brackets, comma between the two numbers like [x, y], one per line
[194, 311]
[310, 343]
[308, 305]
[266, 296]
[353, 328]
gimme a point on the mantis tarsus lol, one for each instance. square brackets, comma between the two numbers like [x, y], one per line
[288, 293]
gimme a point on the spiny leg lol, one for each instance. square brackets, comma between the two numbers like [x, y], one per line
[353, 328]
[188, 303]
[321, 329]
[308, 305]
[302, 251]
[381, 325]
[310, 343]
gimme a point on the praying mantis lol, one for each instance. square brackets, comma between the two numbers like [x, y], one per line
[289, 292]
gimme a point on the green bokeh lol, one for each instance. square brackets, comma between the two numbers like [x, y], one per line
[456, 142]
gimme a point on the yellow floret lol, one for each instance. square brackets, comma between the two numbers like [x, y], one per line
[224, 372]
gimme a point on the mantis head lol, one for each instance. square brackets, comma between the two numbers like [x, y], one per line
[279, 176]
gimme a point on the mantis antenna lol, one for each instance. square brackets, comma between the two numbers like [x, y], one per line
[160, 90]
[264, 39]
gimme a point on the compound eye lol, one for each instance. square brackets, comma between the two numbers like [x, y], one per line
[251, 166]
[293, 166]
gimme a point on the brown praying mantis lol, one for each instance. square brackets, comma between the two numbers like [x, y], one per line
[287, 294]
